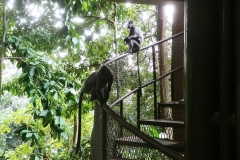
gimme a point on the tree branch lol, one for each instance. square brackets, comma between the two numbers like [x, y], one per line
[99, 18]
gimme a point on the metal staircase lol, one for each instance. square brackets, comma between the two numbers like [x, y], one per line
[176, 145]
[126, 136]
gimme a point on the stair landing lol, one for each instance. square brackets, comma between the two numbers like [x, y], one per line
[137, 142]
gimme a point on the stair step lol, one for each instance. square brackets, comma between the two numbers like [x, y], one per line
[119, 159]
[137, 142]
[172, 105]
[162, 122]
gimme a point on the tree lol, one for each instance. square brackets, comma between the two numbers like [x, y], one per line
[56, 59]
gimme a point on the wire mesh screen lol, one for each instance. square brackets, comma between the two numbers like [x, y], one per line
[122, 144]
[164, 133]
[96, 137]
[125, 77]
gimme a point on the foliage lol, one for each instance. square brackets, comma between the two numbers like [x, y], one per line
[55, 54]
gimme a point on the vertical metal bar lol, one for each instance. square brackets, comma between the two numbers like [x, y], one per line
[155, 83]
[159, 111]
[121, 108]
[139, 78]
[104, 134]
[172, 87]
[138, 107]
[121, 115]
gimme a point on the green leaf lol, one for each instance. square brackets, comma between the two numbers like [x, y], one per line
[17, 43]
[68, 38]
[33, 99]
[36, 136]
[24, 131]
[85, 5]
[32, 71]
[40, 92]
[22, 75]
[32, 91]
[42, 68]
[56, 120]
[37, 158]
[21, 47]
[66, 90]
[29, 135]
[11, 40]
[55, 96]
[37, 111]
[62, 70]
[44, 113]
[49, 75]
[53, 83]
[41, 133]
[75, 40]
[70, 102]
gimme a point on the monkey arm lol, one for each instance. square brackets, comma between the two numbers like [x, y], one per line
[109, 87]
[134, 36]
[98, 92]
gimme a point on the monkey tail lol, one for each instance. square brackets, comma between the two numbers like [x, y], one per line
[79, 122]
[139, 79]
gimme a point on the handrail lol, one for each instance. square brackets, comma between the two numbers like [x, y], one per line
[151, 142]
[161, 41]
[145, 85]
[123, 97]
[165, 75]
[127, 53]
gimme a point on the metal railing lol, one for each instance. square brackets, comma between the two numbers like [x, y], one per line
[118, 117]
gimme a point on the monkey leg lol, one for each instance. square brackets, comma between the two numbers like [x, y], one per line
[93, 95]
[136, 46]
[130, 46]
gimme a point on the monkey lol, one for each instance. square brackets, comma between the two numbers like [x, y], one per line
[94, 83]
[134, 39]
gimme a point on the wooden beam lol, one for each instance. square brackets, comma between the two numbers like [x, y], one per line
[152, 2]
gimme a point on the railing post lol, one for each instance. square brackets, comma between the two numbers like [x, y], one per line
[155, 83]
[138, 106]
[104, 134]
[121, 115]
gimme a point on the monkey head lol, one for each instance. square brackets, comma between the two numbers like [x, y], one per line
[105, 72]
[130, 24]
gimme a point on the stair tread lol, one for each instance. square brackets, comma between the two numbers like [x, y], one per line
[171, 104]
[136, 141]
[119, 159]
[162, 122]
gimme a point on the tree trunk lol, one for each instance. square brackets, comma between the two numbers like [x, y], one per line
[177, 53]
[177, 61]
[163, 56]
[3, 48]
[75, 136]
[116, 50]
[163, 69]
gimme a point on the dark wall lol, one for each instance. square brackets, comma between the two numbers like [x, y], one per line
[237, 47]
[227, 80]
[201, 69]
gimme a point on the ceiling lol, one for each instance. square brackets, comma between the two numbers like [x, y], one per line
[152, 2]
